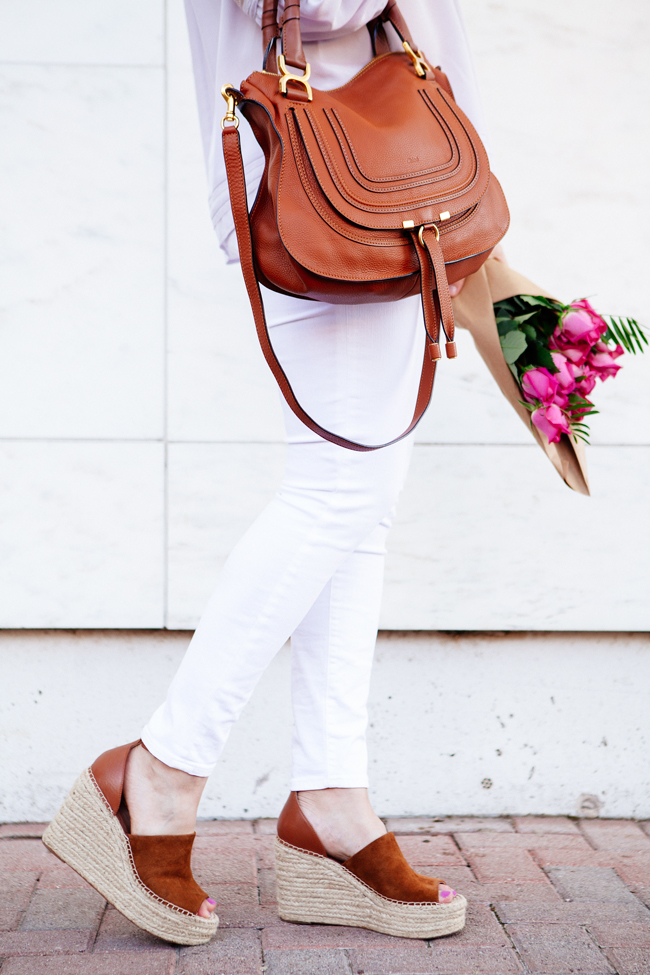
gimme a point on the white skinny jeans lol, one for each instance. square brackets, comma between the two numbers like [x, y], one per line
[310, 568]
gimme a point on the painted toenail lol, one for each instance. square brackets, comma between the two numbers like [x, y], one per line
[210, 901]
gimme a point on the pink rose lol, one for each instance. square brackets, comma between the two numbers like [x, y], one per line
[581, 323]
[560, 399]
[586, 380]
[576, 354]
[539, 384]
[601, 360]
[567, 372]
[579, 328]
[603, 347]
[551, 421]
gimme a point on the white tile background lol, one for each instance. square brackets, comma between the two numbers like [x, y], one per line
[139, 428]
[81, 534]
[82, 252]
[112, 32]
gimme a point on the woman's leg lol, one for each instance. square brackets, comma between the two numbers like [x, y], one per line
[325, 509]
[356, 368]
[331, 655]
[321, 538]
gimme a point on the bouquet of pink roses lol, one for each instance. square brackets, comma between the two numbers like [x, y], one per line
[557, 352]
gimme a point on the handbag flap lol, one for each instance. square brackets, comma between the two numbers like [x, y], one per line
[387, 147]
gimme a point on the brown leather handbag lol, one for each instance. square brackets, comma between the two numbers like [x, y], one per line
[373, 191]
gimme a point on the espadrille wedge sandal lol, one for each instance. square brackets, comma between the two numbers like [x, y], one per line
[376, 888]
[147, 878]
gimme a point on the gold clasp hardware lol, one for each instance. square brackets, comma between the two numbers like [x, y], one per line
[229, 97]
[410, 225]
[286, 76]
[427, 226]
[417, 57]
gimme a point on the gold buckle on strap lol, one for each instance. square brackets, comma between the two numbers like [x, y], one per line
[427, 226]
[228, 93]
[417, 57]
[285, 76]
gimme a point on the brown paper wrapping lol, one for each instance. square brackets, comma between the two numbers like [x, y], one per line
[473, 311]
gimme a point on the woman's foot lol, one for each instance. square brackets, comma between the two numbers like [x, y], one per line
[345, 822]
[162, 801]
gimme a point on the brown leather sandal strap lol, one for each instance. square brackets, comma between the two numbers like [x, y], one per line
[294, 828]
[237, 189]
[108, 771]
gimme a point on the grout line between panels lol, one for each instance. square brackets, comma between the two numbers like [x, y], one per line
[168, 441]
[165, 538]
[77, 64]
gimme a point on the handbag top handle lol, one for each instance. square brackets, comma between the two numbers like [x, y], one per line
[288, 32]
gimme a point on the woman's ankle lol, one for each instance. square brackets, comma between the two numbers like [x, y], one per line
[343, 819]
[160, 799]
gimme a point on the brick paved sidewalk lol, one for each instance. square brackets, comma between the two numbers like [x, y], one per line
[547, 896]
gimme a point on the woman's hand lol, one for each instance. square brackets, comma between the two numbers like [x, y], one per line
[498, 254]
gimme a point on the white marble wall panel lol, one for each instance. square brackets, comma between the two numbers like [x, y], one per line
[82, 252]
[489, 538]
[215, 492]
[81, 533]
[565, 85]
[78, 32]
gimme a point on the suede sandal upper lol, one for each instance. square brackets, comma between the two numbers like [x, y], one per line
[163, 865]
[162, 862]
[381, 864]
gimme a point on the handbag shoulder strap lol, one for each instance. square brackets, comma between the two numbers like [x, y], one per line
[237, 189]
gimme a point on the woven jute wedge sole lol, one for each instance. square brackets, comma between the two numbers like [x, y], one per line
[315, 890]
[86, 835]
